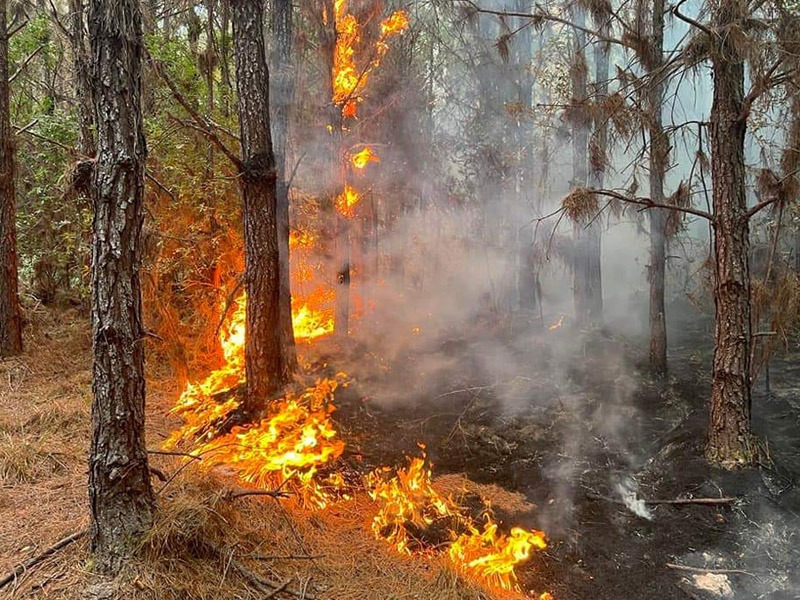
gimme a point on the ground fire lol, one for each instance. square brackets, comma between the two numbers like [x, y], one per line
[295, 449]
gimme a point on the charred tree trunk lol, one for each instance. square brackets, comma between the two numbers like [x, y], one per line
[659, 157]
[10, 313]
[122, 500]
[730, 440]
[581, 287]
[258, 182]
[281, 97]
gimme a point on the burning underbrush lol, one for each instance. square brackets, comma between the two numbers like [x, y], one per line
[296, 450]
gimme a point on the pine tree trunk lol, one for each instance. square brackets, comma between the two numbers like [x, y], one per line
[659, 158]
[10, 313]
[581, 287]
[282, 96]
[259, 192]
[83, 84]
[121, 497]
[598, 159]
[730, 441]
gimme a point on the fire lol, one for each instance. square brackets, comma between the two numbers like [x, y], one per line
[557, 324]
[396, 23]
[361, 159]
[288, 448]
[347, 200]
[348, 81]
[411, 510]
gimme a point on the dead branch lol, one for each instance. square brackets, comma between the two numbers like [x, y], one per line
[32, 562]
[286, 556]
[161, 186]
[688, 20]
[689, 569]
[648, 203]
[228, 302]
[172, 453]
[680, 501]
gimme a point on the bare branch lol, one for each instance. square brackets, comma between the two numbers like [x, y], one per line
[24, 63]
[648, 203]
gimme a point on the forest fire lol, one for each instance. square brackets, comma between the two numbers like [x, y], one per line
[361, 159]
[347, 200]
[347, 80]
[294, 449]
[416, 519]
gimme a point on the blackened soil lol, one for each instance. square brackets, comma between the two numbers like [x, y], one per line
[576, 426]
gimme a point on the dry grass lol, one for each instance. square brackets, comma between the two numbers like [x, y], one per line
[205, 545]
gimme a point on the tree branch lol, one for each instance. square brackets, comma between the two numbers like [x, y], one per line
[202, 124]
[24, 64]
[543, 15]
[648, 203]
[676, 11]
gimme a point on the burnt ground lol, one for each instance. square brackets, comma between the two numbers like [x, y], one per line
[572, 422]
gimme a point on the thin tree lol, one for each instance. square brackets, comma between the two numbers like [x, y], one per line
[653, 60]
[281, 97]
[10, 313]
[263, 356]
[730, 442]
[121, 497]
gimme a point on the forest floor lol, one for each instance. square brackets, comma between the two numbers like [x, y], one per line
[563, 433]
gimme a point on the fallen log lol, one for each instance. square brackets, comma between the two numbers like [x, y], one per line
[33, 561]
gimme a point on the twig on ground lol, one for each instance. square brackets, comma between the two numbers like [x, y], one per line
[689, 569]
[32, 562]
[675, 502]
[280, 588]
[286, 556]
[174, 453]
[685, 589]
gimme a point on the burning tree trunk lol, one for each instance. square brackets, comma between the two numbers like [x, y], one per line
[10, 313]
[659, 156]
[263, 362]
[282, 96]
[122, 500]
[730, 442]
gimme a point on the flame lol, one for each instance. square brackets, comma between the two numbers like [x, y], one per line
[348, 81]
[347, 200]
[287, 449]
[410, 507]
[396, 23]
[557, 324]
[361, 159]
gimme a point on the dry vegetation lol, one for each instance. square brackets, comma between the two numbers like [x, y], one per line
[206, 544]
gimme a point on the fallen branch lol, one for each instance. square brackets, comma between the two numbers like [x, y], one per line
[32, 562]
[712, 501]
[173, 453]
[286, 556]
[689, 569]
[675, 502]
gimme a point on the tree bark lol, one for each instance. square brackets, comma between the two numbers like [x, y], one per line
[121, 497]
[83, 84]
[730, 440]
[659, 158]
[282, 96]
[10, 312]
[258, 183]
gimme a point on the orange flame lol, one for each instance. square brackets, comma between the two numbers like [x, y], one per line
[360, 160]
[409, 505]
[557, 324]
[348, 81]
[347, 200]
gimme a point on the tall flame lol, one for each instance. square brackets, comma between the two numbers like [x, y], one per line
[347, 200]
